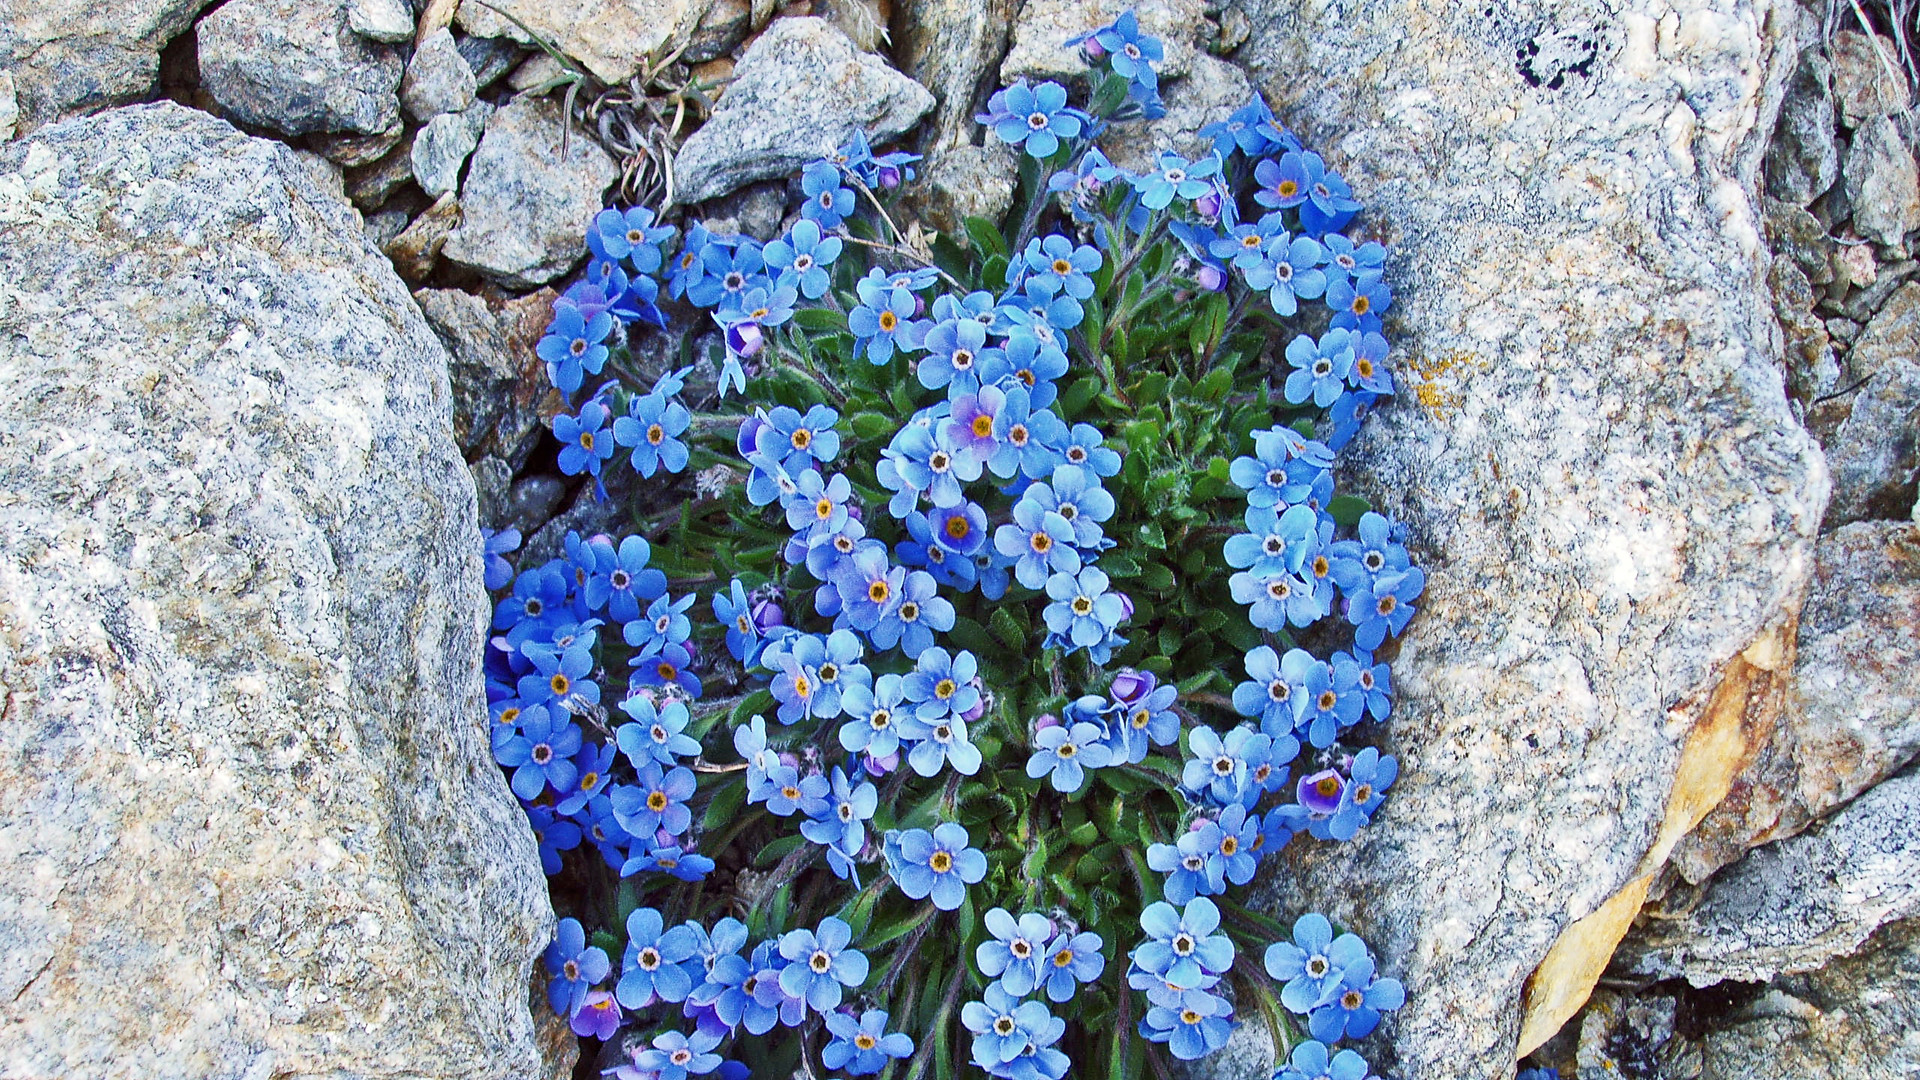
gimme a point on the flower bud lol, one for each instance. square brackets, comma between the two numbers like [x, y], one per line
[1130, 686]
[1210, 277]
[881, 766]
[1208, 205]
[1092, 49]
[889, 177]
[745, 339]
[1126, 606]
[1045, 721]
[767, 614]
[790, 759]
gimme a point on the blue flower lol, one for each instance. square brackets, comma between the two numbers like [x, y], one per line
[1083, 612]
[787, 791]
[729, 272]
[1277, 599]
[912, 623]
[574, 346]
[955, 348]
[761, 305]
[939, 741]
[1367, 782]
[1251, 129]
[1181, 945]
[1275, 542]
[674, 1055]
[960, 529]
[940, 864]
[1130, 52]
[1145, 714]
[631, 236]
[1025, 361]
[493, 545]
[869, 587]
[862, 1047]
[1289, 272]
[842, 824]
[1187, 865]
[652, 428]
[734, 613]
[827, 202]
[876, 712]
[576, 967]
[818, 505]
[590, 767]
[656, 735]
[620, 586]
[1369, 372]
[656, 800]
[1175, 175]
[1353, 1010]
[1198, 1026]
[1217, 768]
[1041, 543]
[1087, 447]
[925, 459]
[1310, 1062]
[1229, 843]
[1330, 204]
[1284, 183]
[666, 623]
[1057, 264]
[603, 828]
[1063, 754]
[552, 834]
[1040, 308]
[1026, 438]
[1015, 952]
[1311, 964]
[559, 677]
[1013, 1038]
[1038, 117]
[1358, 305]
[1357, 563]
[1264, 476]
[819, 963]
[884, 320]
[1320, 370]
[802, 257]
[669, 859]
[799, 442]
[1346, 261]
[539, 752]
[1071, 959]
[651, 969]
[1384, 607]
[942, 685]
[584, 441]
[750, 742]
[690, 267]
[1374, 680]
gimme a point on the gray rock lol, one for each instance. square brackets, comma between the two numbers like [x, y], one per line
[1798, 235]
[1209, 90]
[1044, 26]
[390, 21]
[1597, 463]
[501, 397]
[1867, 78]
[489, 58]
[800, 90]
[611, 38]
[1858, 1017]
[952, 48]
[724, 26]
[1792, 906]
[531, 504]
[1882, 183]
[370, 186]
[1874, 451]
[440, 148]
[1804, 160]
[526, 207]
[252, 830]
[385, 225]
[1812, 371]
[69, 57]
[491, 480]
[438, 79]
[962, 182]
[418, 246]
[294, 67]
[351, 151]
[9, 106]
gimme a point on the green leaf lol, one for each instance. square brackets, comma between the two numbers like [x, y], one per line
[819, 318]
[873, 426]
[1077, 396]
[778, 849]
[727, 800]
[1156, 577]
[1084, 835]
[1347, 509]
[971, 635]
[1220, 469]
[1111, 94]
[1007, 628]
[986, 237]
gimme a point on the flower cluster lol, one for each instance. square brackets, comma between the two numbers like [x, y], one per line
[1053, 418]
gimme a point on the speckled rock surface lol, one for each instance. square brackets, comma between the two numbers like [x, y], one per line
[1851, 714]
[501, 398]
[524, 204]
[1792, 906]
[251, 824]
[443, 146]
[438, 79]
[1594, 455]
[73, 56]
[801, 89]
[611, 38]
[1043, 26]
[1858, 1017]
[296, 67]
[1873, 446]
[1882, 184]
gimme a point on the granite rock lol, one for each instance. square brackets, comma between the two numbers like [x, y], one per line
[1793, 905]
[526, 207]
[9, 106]
[371, 186]
[1038, 50]
[438, 79]
[1594, 454]
[1812, 371]
[295, 67]
[69, 57]
[1882, 183]
[1874, 451]
[800, 90]
[415, 251]
[1866, 76]
[1804, 160]
[952, 47]
[253, 825]
[1209, 90]
[443, 146]
[613, 39]
[1858, 1017]
[501, 398]
[350, 150]
[390, 21]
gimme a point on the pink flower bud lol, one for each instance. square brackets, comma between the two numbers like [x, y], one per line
[1045, 721]
[881, 766]
[745, 339]
[1208, 205]
[767, 614]
[1211, 278]
[1130, 686]
[889, 177]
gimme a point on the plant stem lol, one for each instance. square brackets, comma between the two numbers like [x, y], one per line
[938, 1029]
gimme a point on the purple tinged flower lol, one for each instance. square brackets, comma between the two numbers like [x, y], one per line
[655, 801]
[971, 429]
[862, 1047]
[652, 428]
[651, 969]
[938, 864]
[1036, 117]
[585, 442]
[802, 257]
[576, 968]
[819, 963]
[669, 859]
[1285, 183]
[599, 1015]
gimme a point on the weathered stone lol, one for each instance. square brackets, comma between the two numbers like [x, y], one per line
[370, 186]
[1210, 90]
[724, 26]
[1875, 451]
[1804, 159]
[611, 38]
[962, 182]
[293, 66]
[1858, 1017]
[951, 47]
[253, 824]
[9, 106]
[1798, 235]
[491, 480]
[1812, 370]
[1793, 905]
[68, 57]
[1044, 26]
[1866, 76]
[755, 210]
[390, 21]
[501, 397]
[527, 207]
[385, 225]
[1864, 303]
[1856, 262]
[531, 503]
[417, 247]
[488, 58]
[1882, 183]
[438, 79]
[443, 146]
[1595, 457]
[351, 151]
[538, 70]
[1851, 714]
[1623, 1035]
[800, 90]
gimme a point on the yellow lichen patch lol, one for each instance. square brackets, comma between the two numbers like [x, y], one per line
[1435, 379]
